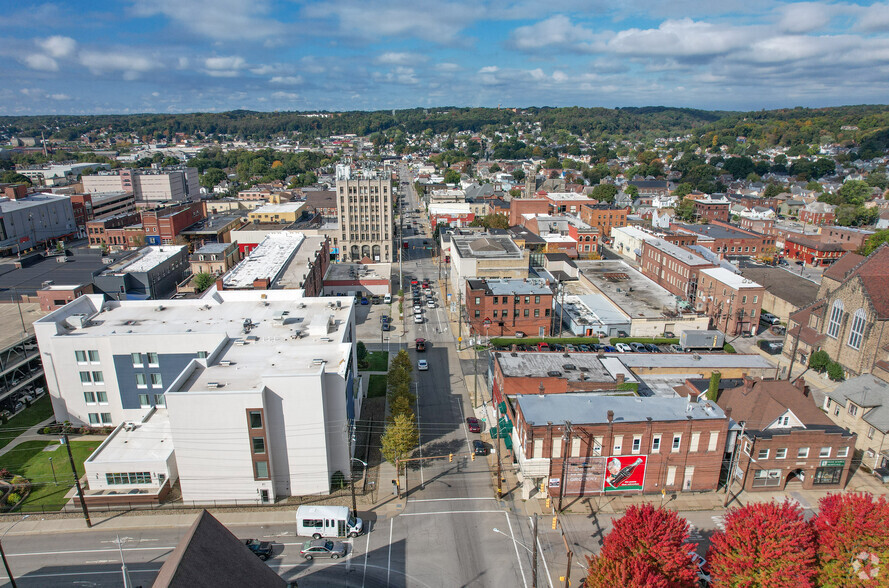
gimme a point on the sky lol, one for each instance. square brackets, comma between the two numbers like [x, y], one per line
[169, 56]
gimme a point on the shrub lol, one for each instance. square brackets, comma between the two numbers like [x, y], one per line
[4, 473]
[851, 528]
[835, 372]
[819, 361]
[18, 480]
[13, 498]
[338, 480]
[728, 348]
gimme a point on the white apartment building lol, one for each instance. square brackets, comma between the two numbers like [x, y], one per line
[148, 185]
[260, 388]
[364, 206]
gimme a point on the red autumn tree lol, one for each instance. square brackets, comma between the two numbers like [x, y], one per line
[645, 548]
[852, 531]
[764, 545]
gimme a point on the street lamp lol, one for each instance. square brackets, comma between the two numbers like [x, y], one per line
[3, 553]
[352, 483]
[533, 552]
[54, 481]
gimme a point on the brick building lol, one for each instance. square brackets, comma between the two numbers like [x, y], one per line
[130, 237]
[727, 239]
[711, 209]
[861, 405]
[732, 302]
[604, 444]
[162, 225]
[520, 206]
[504, 307]
[851, 238]
[564, 234]
[567, 202]
[603, 217]
[849, 319]
[817, 213]
[96, 229]
[812, 250]
[54, 296]
[787, 441]
[673, 268]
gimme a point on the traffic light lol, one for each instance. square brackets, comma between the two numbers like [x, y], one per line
[543, 487]
[472, 456]
[555, 522]
[547, 501]
[450, 457]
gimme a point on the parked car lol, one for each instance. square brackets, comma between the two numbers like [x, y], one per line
[652, 348]
[430, 303]
[521, 347]
[610, 349]
[882, 474]
[570, 348]
[420, 344]
[422, 365]
[584, 348]
[364, 301]
[323, 548]
[418, 309]
[768, 318]
[556, 347]
[542, 347]
[376, 300]
[473, 425]
[624, 348]
[676, 348]
[479, 447]
[385, 318]
[418, 318]
[261, 548]
[638, 347]
[386, 326]
[519, 334]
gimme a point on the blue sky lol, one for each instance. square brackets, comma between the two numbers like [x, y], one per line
[119, 56]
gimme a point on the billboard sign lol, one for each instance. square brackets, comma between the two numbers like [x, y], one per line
[584, 475]
[625, 473]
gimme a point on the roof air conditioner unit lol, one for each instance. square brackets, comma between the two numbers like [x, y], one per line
[225, 362]
[214, 385]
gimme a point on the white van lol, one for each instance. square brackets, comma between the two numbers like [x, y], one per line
[327, 521]
[387, 299]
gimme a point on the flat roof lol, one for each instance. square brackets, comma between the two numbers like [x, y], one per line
[266, 260]
[149, 441]
[505, 286]
[567, 196]
[588, 367]
[593, 309]
[30, 201]
[629, 290]
[677, 252]
[297, 267]
[213, 224]
[286, 207]
[213, 248]
[12, 322]
[358, 271]
[80, 268]
[717, 231]
[729, 278]
[151, 257]
[582, 408]
[783, 284]
[486, 246]
[692, 362]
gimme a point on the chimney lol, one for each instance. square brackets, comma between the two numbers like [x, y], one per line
[728, 412]
[692, 396]
[620, 378]
[748, 384]
[219, 285]
[610, 416]
[800, 384]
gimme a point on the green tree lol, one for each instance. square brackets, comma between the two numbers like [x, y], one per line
[683, 190]
[400, 438]
[604, 193]
[552, 163]
[773, 190]
[491, 221]
[686, 210]
[494, 168]
[202, 281]
[819, 361]
[878, 180]
[632, 190]
[518, 175]
[361, 351]
[452, 176]
[835, 372]
[874, 241]
[12, 177]
[212, 177]
[713, 388]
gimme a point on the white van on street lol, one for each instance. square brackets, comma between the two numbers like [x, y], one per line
[327, 521]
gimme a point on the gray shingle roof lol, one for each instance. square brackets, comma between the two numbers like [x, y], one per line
[870, 393]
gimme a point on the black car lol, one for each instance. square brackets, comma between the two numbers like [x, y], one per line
[556, 347]
[652, 348]
[479, 447]
[261, 548]
[521, 347]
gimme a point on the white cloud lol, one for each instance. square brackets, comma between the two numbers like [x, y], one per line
[557, 30]
[217, 19]
[41, 62]
[681, 38]
[100, 62]
[446, 66]
[60, 96]
[489, 69]
[399, 58]
[805, 17]
[232, 62]
[874, 17]
[287, 80]
[285, 95]
[58, 46]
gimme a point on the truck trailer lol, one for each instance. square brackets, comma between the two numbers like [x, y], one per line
[701, 339]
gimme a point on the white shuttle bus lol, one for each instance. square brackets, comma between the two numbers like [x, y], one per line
[327, 521]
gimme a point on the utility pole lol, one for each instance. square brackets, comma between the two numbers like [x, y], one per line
[731, 465]
[459, 317]
[499, 471]
[534, 547]
[86, 512]
[568, 569]
[127, 583]
[561, 308]
[566, 440]
[6, 565]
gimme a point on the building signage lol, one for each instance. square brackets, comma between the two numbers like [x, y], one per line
[554, 482]
[833, 463]
[625, 472]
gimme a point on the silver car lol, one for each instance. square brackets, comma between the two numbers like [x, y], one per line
[323, 548]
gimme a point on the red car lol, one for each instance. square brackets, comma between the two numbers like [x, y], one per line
[473, 425]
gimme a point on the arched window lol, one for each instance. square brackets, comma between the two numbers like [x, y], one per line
[836, 316]
[376, 253]
[856, 333]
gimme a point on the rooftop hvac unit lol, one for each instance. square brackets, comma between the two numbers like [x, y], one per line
[159, 308]
[225, 362]
[214, 385]
[240, 342]
[319, 361]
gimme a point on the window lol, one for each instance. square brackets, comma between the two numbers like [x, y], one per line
[843, 452]
[137, 359]
[102, 397]
[802, 453]
[259, 445]
[856, 333]
[870, 432]
[106, 418]
[527, 300]
[478, 300]
[618, 443]
[156, 381]
[764, 478]
[255, 419]
[656, 444]
[159, 400]
[537, 300]
[762, 454]
[677, 441]
[495, 313]
[526, 312]
[94, 418]
[853, 409]
[94, 356]
[85, 378]
[140, 381]
[113, 479]
[202, 354]
[536, 312]
[143, 400]
[755, 299]
[152, 360]
[744, 299]
[477, 314]
[828, 475]
[836, 315]
[695, 440]
[637, 443]
[80, 356]
[713, 443]
[781, 453]
[575, 447]
[597, 446]
[783, 420]
[262, 469]
[98, 378]
[89, 397]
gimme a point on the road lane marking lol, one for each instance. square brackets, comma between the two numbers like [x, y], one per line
[389, 560]
[543, 558]
[515, 544]
[171, 547]
[446, 512]
[366, 552]
[448, 499]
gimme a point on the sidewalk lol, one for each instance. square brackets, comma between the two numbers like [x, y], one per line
[32, 434]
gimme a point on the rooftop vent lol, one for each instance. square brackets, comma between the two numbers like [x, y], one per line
[225, 362]
[159, 308]
[568, 367]
[240, 342]
[319, 361]
[214, 385]
[553, 374]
